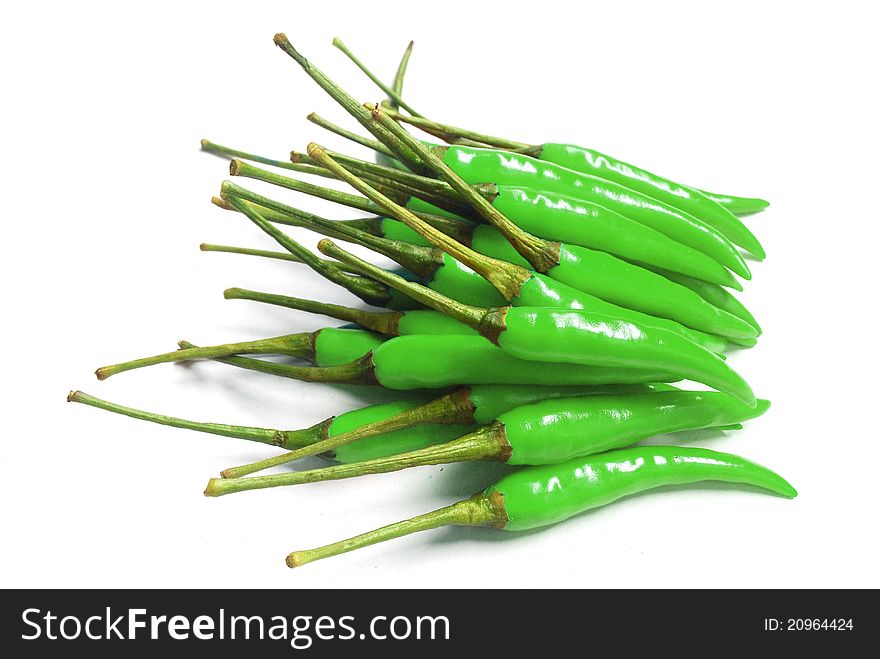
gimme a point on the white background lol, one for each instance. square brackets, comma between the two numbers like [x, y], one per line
[106, 198]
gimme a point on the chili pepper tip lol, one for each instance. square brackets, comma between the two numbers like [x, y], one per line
[72, 396]
[280, 38]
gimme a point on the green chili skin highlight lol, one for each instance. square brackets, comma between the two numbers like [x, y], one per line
[540, 496]
[617, 282]
[488, 166]
[682, 197]
[546, 495]
[544, 432]
[330, 346]
[587, 338]
[737, 205]
[572, 336]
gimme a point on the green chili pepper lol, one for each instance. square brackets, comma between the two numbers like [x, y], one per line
[678, 196]
[330, 346]
[578, 222]
[435, 362]
[474, 404]
[572, 157]
[457, 276]
[572, 336]
[608, 278]
[713, 294]
[543, 432]
[490, 166]
[539, 496]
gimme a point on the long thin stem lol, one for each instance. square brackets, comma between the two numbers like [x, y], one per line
[418, 259]
[219, 149]
[294, 345]
[456, 228]
[284, 438]
[355, 109]
[383, 322]
[506, 277]
[391, 93]
[371, 294]
[475, 317]
[455, 407]
[281, 256]
[426, 184]
[375, 145]
[397, 86]
[360, 371]
[484, 509]
[486, 443]
[455, 134]
[541, 254]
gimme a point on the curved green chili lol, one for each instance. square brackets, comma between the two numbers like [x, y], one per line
[542, 432]
[574, 157]
[610, 279]
[539, 496]
[435, 362]
[476, 165]
[573, 336]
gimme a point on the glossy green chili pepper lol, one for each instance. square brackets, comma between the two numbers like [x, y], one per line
[679, 196]
[457, 276]
[539, 496]
[611, 279]
[330, 346]
[474, 404]
[713, 294]
[573, 157]
[578, 222]
[572, 336]
[543, 432]
[489, 166]
[435, 362]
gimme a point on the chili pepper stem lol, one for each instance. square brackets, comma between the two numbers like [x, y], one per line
[484, 509]
[294, 345]
[359, 371]
[281, 256]
[488, 322]
[420, 260]
[221, 150]
[454, 408]
[383, 322]
[393, 95]
[368, 291]
[283, 438]
[541, 254]
[453, 134]
[487, 443]
[375, 145]
[506, 277]
[355, 109]
[397, 85]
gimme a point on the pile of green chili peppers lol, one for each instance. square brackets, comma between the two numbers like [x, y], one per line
[549, 303]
